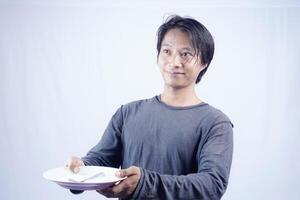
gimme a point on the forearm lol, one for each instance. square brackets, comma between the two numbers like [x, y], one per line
[108, 150]
[101, 158]
[91, 159]
[204, 185]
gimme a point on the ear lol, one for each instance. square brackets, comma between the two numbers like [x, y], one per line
[203, 67]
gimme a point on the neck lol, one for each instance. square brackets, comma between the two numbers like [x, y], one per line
[180, 97]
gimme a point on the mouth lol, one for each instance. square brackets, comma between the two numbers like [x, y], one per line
[175, 73]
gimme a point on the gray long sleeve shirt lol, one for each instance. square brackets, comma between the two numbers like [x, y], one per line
[183, 152]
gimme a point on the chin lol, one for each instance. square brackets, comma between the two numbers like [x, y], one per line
[175, 85]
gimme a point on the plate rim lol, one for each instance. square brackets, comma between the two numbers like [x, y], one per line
[117, 179]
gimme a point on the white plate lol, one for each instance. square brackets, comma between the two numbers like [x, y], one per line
[65, 178]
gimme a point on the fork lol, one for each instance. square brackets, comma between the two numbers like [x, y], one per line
[82, 179]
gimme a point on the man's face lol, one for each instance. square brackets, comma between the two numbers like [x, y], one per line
[178, 65]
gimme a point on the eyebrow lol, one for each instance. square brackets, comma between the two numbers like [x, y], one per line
[184, 48]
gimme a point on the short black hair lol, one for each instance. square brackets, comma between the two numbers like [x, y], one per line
[200, 38]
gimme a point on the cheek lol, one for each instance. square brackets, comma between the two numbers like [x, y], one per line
[160, 59]
[161, 63]
[193, 73]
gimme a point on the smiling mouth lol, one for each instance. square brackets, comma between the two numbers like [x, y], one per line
[175, 73]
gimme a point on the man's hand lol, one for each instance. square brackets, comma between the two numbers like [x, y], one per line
[127, 186]
[74, 163]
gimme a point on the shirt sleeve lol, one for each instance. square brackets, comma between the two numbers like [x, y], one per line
[214, 159]
[108, 151]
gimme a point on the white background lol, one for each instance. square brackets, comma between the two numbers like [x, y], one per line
[66, 66]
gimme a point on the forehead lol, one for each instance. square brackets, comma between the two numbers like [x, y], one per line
[177, 37]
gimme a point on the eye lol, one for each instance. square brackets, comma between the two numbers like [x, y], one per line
[166, 51]
[186, 54]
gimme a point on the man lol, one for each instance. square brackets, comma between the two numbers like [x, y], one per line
[174, 145]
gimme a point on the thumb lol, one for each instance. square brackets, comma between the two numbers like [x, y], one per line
[126, 172]
[120, 173]
[76, 169]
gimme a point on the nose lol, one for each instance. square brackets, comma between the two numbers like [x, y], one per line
[175, 61]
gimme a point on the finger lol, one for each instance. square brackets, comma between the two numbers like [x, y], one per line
[118, 191]
[108, 195]
[119, 188]
[128, 172]
[71, 164]
[123, 186]
[74, 164]
[106, 192]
